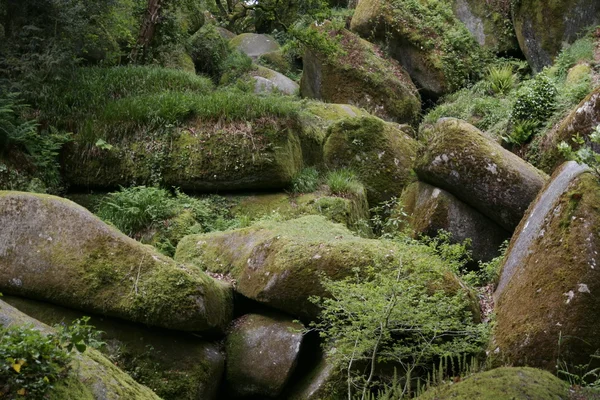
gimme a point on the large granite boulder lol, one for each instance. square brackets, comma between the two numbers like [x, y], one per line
[436, 49]
[201, 156]
[382, 154]
[503, 383]
[92, 375]
[324, 381]
[581, 121]
[430, 209]
[494, 181]
[279, 264]
[543, 27]
[54, 250]
[178, 366]
[358, 74]
[262, 353]
[254, 44]
[547, 304]
[489, 22]
[269, 81]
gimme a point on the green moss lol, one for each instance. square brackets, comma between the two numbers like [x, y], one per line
[503, 383]
[277, 61]
[378, 152]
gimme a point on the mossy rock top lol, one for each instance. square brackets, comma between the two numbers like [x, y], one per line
[550, 279]
[358, 73]
[381, 154]
[54, 250]
[503, 384]
[92, 376]
[496, 182]
[543, 27]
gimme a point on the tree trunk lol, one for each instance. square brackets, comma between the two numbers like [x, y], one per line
[148, 27]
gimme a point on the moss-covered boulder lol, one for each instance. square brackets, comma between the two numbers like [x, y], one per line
[279, 263]
[267, 81]
[254, 45]
[381, 153]
[92, 375]
[436, 49]
[494, 181]
[543, 27]
[489, 22]
[54, 250]
[547, 303]
[262, 353]
[581, 121]
[200, 156]
[350, 211]
[277, 61]
[175, 365]
[357, 73]
[503, 383]
[430, 209]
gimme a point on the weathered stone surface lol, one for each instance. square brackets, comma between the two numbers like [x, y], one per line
[268, 81]
[423, 43]
[54, 250]
[262, 352]
[503, 383]
[381, 153]
[550, 277]
[180, 366]
[279, 264]
[254, 44]
[461, 160]
[225, 34]
[489, 22]
[581, 121]
[92, 377]
[360, 76]
[431, 209]
[325, 381]
[543, 27]
[202, 157]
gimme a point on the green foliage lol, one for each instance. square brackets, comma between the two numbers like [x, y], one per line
[40, 148]
[536, 99]
[323, 41]
[522, 131]
[32, 362]
[581, 50]
[138, 211]
[306, 181]
[501, 79]
[343, 182]
[583, 375]
[400, 314]
[136, 208]
[585, 154]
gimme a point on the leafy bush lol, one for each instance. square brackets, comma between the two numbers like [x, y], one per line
[31, 362]
[139, 211]
[343, 182]
[522, 131]
[396, 314]
[585, 154]
[501, 79]
[536, 99]
[306, 181]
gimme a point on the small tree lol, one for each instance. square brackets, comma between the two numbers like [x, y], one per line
[409, 313]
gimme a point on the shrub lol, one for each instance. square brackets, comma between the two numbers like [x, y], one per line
[501, 79]
[536, 99]
[343, 182]
[585, 154]
[31, 362]
[522, 131]
[306, 181]
[399, 314]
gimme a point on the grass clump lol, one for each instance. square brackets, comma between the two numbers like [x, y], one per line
[343, 182]
[306, 181]
[501, 79]
[161, 218]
